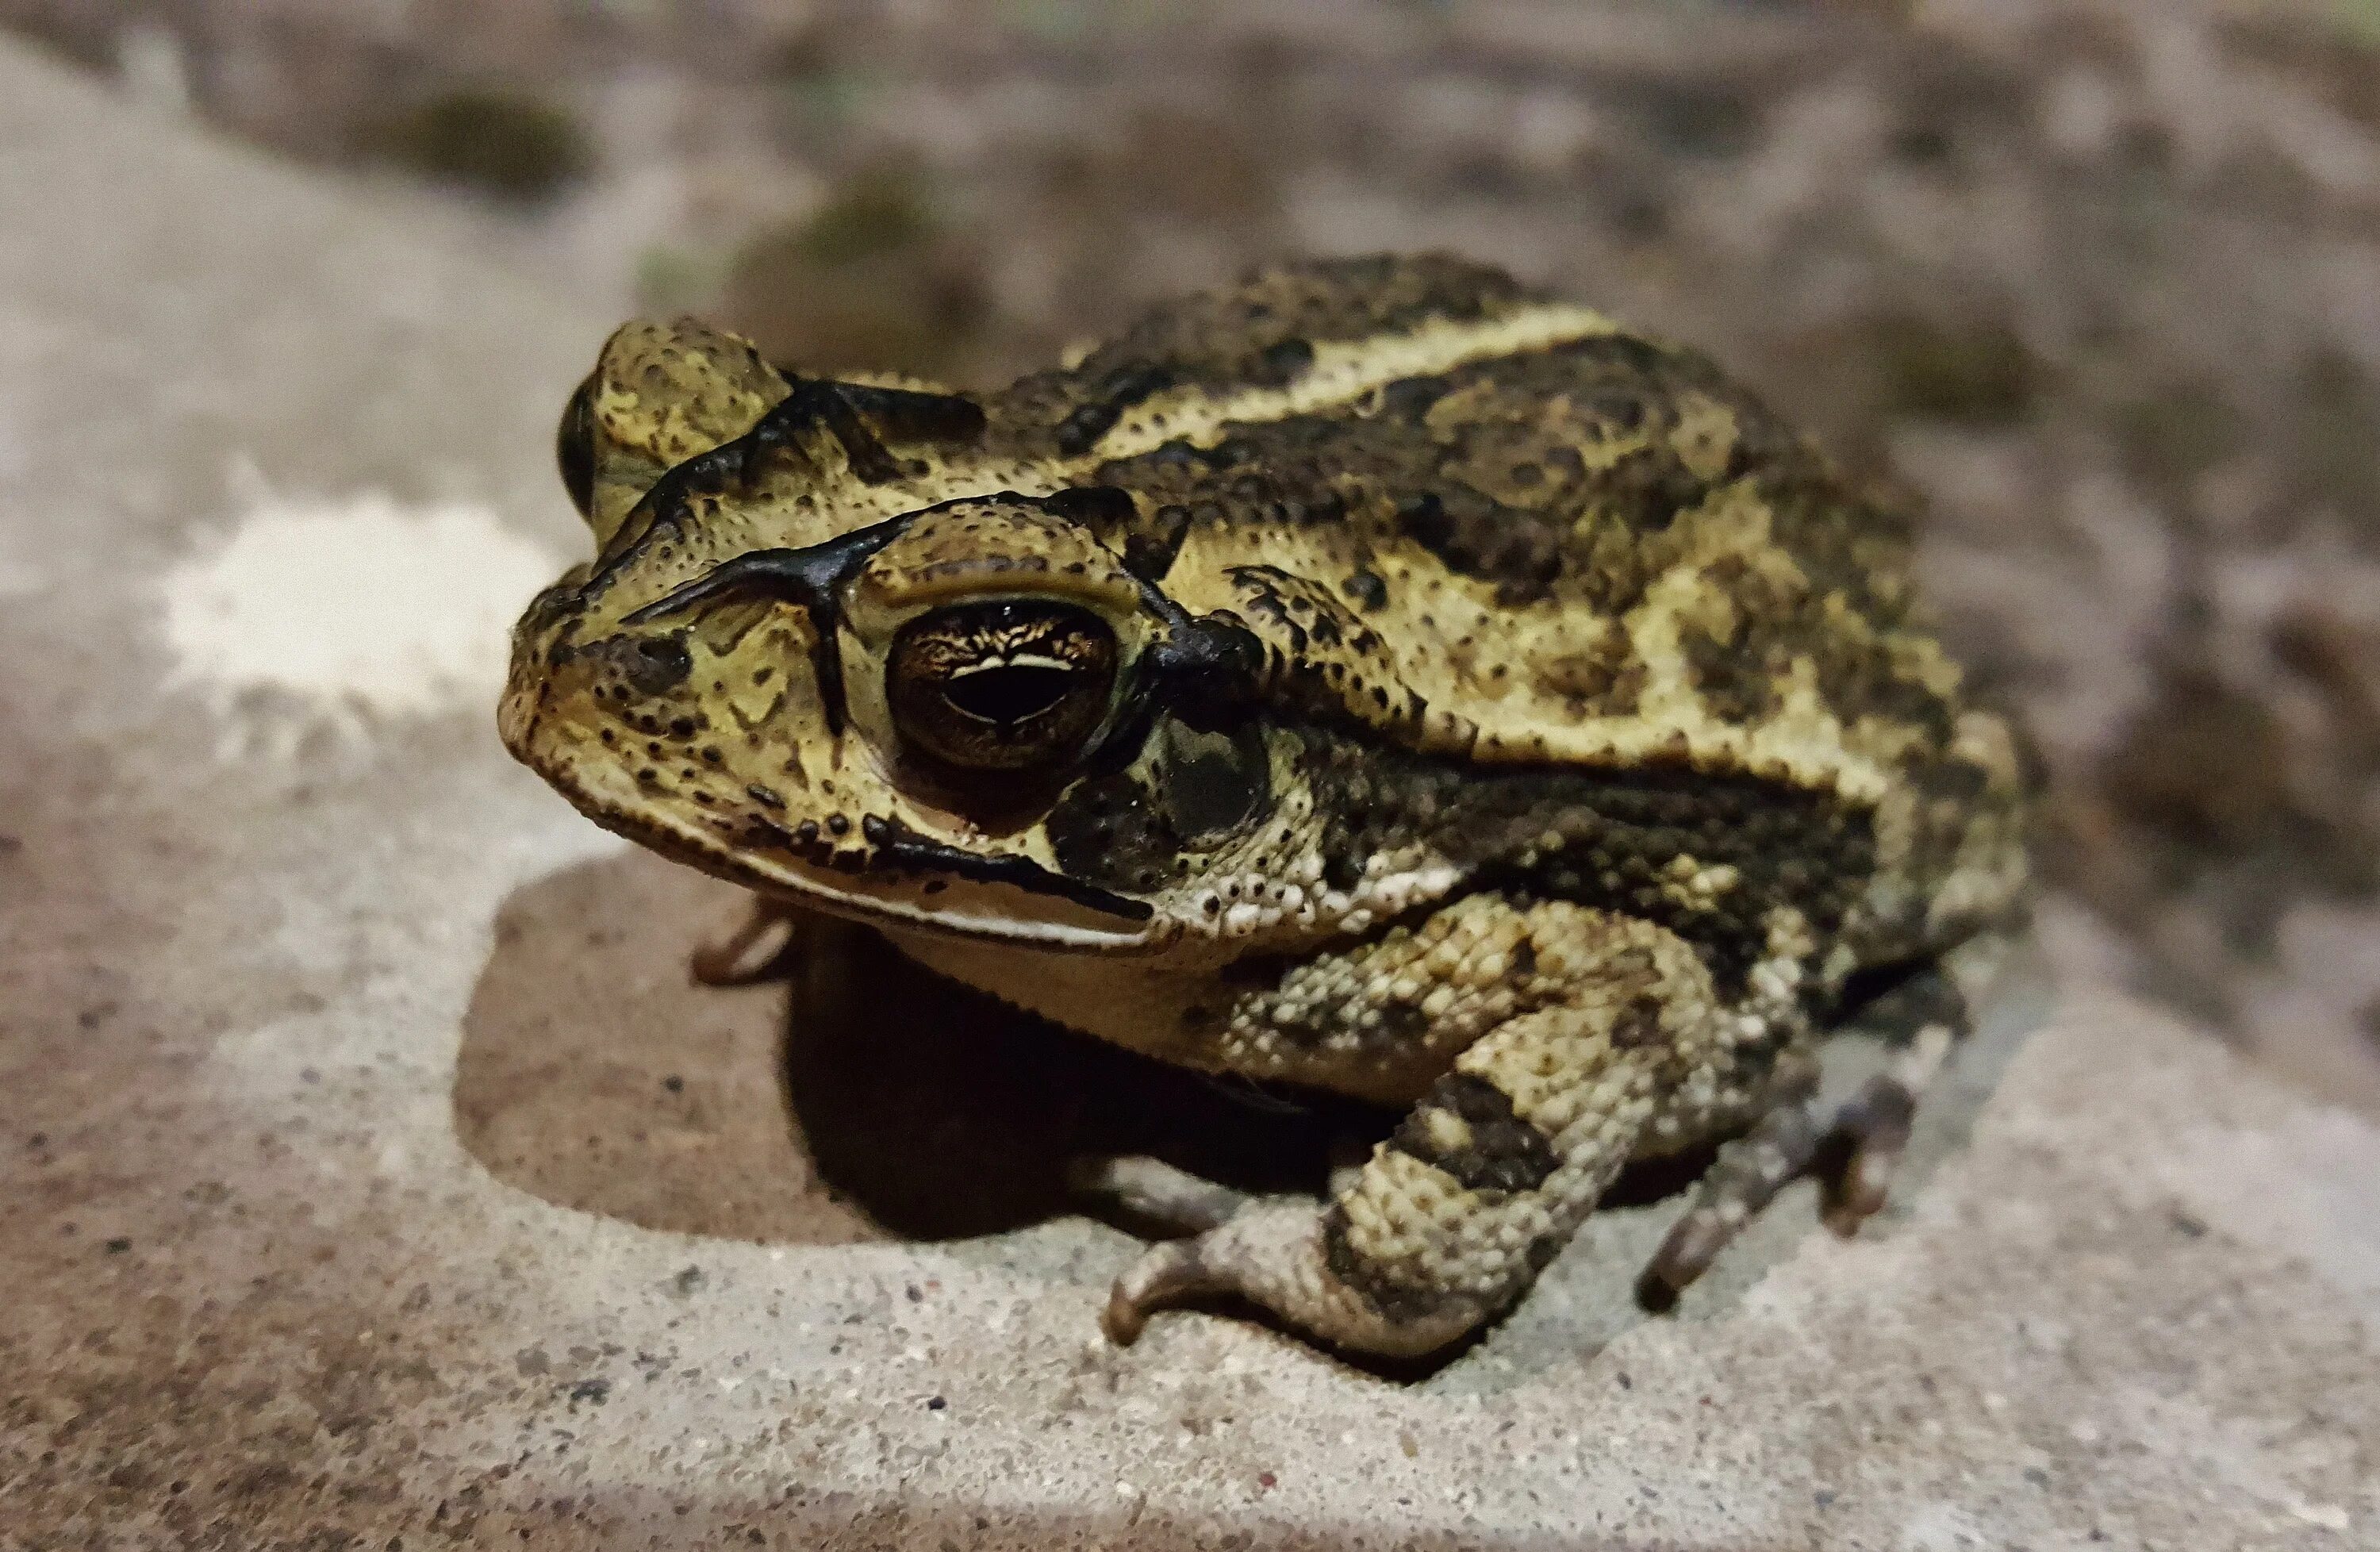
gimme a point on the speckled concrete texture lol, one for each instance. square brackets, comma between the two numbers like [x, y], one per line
[370, 1177]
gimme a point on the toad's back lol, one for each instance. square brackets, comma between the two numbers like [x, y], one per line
[1498, 529]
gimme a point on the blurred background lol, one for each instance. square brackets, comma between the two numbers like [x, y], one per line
[2096, 280]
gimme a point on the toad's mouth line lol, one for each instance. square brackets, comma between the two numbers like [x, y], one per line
[908, 880]
[902, 849]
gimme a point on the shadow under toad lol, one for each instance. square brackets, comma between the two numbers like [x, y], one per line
[864, 1099]
[868, 1100]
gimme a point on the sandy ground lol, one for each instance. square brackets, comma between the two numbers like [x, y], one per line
[371, 1177]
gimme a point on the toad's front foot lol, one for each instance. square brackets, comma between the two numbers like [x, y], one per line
[1152, 1192]
[765, 948]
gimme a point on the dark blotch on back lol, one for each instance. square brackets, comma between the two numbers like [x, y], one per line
[1101, 508]
[1149, 549]
[1147, 539]
[1409, 398]
[1119, 391]
[1521, 551]
[1284, 362]
[1572, 513]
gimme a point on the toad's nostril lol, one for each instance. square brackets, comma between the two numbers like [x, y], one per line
[659, 664]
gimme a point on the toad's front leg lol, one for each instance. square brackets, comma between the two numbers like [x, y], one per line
[767, 947]
[1486, 1180]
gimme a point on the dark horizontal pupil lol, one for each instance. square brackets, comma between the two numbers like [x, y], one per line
[1009, 695]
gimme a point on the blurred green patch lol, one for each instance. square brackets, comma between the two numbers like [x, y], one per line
[2336, 51]
[506, 142]
[1975, 374]
[821, 90]
[672, 280]
[1071, 21]
[2358, 18]
[821, 103]
[1050, 20]
[871, 280]
[2335, 444]
[1703, 120]
[878, 214]
[2171, 436]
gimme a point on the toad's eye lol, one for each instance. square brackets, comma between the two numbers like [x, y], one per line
[1012, 684]
[574, 447]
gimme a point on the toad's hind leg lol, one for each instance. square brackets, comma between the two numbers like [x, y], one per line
[1453, 1216]
[1852, 1146]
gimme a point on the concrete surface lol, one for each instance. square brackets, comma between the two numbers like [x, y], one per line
[371, 1178]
